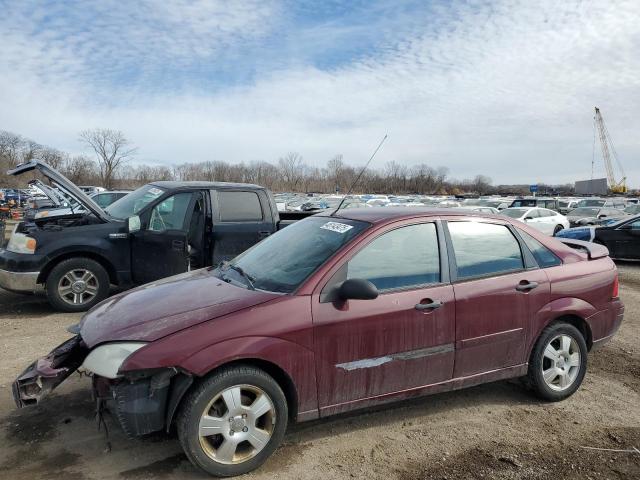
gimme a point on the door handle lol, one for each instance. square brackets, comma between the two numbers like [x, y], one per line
[177, 245]
[526, 286]
[429, 305]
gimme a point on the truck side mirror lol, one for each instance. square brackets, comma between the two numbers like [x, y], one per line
[133, 224]
[357, 289]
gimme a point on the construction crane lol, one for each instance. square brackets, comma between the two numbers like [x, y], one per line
[608, 151]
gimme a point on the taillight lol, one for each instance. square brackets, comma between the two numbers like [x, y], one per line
[616, 287]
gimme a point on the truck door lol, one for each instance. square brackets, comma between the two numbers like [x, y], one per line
[241, 219]
[160, 248]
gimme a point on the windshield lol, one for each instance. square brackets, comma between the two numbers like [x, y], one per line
[632, 209]
[281, 262]
[514, 212]
[591, 203]
[524, 203]
[584, 212]
[132, 203]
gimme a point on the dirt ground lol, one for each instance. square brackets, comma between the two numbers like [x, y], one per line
[494, 431]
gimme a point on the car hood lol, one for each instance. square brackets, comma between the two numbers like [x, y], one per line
[63, 182]
[161, 308]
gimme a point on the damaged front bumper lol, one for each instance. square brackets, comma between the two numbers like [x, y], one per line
[46, 373]
[142, 401]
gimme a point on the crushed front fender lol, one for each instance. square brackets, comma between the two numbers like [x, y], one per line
[46, 373]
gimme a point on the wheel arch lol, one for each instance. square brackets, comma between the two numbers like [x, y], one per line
[280, 376]
[106, 264]
[577, 321]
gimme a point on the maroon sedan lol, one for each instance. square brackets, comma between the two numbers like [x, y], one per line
[336, 313]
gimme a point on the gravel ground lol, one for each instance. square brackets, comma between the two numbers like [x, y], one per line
[494, 431]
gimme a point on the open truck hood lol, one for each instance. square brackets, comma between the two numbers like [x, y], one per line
[55, 176]
[47, 191]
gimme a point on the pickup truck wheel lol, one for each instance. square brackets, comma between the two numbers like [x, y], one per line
[233, 421]
[77, 284]
[558, 362]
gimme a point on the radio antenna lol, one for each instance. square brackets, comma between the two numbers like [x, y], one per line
[359, 175]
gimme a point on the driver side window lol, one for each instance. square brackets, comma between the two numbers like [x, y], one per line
[402, 258]
[170, 214]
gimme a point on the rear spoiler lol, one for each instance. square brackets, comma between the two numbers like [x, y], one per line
[593, 250]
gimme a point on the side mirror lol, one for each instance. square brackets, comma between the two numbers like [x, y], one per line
[526, 219]
[133, 224]
[602, 216]
[357, 289]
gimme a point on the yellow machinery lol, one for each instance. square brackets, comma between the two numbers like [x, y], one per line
[608, 150]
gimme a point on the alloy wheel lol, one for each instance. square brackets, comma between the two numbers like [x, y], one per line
[237, 424]
[78, 286]
[561, 362]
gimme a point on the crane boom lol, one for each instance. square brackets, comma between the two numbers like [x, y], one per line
[608, 150]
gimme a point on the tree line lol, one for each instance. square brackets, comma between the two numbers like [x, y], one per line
[111, 165]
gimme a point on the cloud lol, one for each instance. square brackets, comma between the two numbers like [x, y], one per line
[502, 88]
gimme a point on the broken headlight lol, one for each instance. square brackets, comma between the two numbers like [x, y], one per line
[106, 360]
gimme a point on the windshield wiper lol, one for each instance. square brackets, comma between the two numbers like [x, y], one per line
[245, 275]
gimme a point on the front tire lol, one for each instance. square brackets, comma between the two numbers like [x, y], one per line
[557, 229]
[233, 421]
[77, 284]
[558, 362]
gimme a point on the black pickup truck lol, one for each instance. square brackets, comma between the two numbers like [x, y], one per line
[159, 230]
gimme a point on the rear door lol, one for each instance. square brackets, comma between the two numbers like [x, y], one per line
[401, 340]
[241, 219]
[159, 248]
[498, 290]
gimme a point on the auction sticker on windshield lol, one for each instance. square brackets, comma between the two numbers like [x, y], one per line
[337, 227]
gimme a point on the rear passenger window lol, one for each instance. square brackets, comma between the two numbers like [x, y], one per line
[402, 258]
[239, 206]
[483, 249]
[544, 257]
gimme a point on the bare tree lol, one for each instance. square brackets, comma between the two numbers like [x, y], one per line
[80, 169]
[291, 168]
[112, 150]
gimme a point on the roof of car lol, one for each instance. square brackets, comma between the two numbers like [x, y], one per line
[172, 184]
[383, 214]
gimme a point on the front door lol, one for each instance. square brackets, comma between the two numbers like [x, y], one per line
[496, 296]
[401, 340]
[160, 248]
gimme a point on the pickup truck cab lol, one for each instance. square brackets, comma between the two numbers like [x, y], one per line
[159, 230]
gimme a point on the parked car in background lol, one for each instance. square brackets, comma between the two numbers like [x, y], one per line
[336, 313]
[542, 202]
[594, 215]
[480, 209]
[632, 209]
[159, 230]
[89, 189]
[106, 198]
[617, 203]
[621, 237]
[566, 205]
[12, 195]
[547, 221]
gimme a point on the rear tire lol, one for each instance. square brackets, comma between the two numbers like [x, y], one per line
[247, 412]
[558, 362]
[77, 284]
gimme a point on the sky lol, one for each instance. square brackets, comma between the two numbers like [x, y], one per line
[501, 88]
